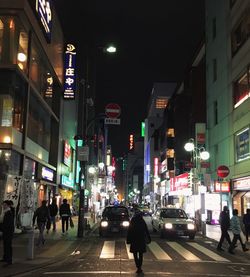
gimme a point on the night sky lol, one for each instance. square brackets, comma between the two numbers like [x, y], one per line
[155, 40]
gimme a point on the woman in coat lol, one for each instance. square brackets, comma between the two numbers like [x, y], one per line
[137, 236]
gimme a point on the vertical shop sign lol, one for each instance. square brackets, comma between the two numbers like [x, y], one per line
[69, 72]
[43, 9]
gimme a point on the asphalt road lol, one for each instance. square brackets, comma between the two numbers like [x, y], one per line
[182, 257]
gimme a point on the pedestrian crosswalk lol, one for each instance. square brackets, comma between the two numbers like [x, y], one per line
[164, 251]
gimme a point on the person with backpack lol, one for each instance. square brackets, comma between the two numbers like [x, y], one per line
[42, 217]
[65, 215]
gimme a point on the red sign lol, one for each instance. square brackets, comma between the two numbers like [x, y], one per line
[223, 171]
[179, 182]
[112, 110]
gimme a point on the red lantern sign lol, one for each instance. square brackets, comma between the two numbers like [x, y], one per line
[223, 171]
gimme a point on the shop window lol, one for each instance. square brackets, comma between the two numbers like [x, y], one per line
[240, 32]
[22, 52]
[241, 90]
[242, 145]
[6, 106]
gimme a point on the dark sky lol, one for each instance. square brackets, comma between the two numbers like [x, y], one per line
[155, 40]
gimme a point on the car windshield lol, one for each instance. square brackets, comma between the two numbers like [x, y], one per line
[173, 213]
[114, 212]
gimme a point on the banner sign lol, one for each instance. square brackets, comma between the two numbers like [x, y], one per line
[69, 72]
[44, 13]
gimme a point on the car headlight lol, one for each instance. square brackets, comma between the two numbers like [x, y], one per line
[104, 223]
[125, 223]
[190, 226]
[168, 225]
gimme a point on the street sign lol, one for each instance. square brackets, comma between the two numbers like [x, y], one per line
[114, 121]
[112, 110]
[223, 171]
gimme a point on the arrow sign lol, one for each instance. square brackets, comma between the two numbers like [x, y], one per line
[112, 110]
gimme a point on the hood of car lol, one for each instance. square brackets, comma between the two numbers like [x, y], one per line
[177, 220]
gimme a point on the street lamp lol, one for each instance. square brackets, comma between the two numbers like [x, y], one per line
[199, 154]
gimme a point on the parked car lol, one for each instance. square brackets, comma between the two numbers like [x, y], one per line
[114, 219]
[173, 222]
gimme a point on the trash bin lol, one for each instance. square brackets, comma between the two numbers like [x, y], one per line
[30, 249]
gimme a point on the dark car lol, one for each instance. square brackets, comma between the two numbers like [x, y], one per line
[115, 219]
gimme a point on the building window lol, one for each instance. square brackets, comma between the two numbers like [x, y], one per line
[39, 123]
[240, 32]
[242, 145]
[22, 52]
[214, 27]
[214, 70]
[1, 38]
[241, 90]
[215, 112]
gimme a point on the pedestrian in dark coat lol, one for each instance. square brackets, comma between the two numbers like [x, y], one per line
[53, 210]
[224, 226]
[7, 227]
[42, 217]
[246, 222]
[137, 236]
[65, 214]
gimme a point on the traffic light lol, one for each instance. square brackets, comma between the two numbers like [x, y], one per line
[190, 179]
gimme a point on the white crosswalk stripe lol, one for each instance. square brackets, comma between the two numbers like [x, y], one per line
[186, 254]
[208, 252]
[108, 251]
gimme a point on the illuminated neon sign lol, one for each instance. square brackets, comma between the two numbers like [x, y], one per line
[131, 142]
[45, 16]
[69, 72]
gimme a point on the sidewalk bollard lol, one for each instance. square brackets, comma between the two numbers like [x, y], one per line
[30, 250]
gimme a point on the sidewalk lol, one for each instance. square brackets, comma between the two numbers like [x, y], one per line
[27, 256]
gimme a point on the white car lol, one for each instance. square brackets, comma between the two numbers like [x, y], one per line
[173, 221]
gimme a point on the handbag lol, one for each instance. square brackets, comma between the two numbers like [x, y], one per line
[71, 222]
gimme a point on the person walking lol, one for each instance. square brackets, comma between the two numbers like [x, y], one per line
[42, 216]
[7, 228]
[137, 236]
[65, 214]
[246, 222]
[53, 210]
[236, 229]
[224, 226]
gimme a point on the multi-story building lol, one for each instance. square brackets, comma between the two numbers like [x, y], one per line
[158, 101]
[228, 112]
[32, 108]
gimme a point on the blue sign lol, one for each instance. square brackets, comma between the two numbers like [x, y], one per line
[47, 173]
[69, 72]
[43, 9]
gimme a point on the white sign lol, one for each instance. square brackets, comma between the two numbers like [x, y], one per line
[45, 15]
[114, 121]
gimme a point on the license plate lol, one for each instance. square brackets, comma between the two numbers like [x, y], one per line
[180, 233]
[115, 229]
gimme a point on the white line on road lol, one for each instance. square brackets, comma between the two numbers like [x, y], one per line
[108, 250]
[208, 252]
[158, 252]
[130, 255]
[183, 252]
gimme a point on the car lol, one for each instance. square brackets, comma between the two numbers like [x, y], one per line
[145, 210]
[114, 219]
[173, 222]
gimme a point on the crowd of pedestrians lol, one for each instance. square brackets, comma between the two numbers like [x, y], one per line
[234, 224]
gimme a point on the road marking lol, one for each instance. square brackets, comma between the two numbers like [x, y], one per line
[208, 252]
[130, 255]
[108, 250]
[158, 252]
[183, 252]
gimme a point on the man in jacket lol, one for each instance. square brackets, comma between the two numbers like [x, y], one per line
[236, 229]
[246, 221]
[53, 210]
[8, 231]
[65, 214]
[224, 226]
[42, 216]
